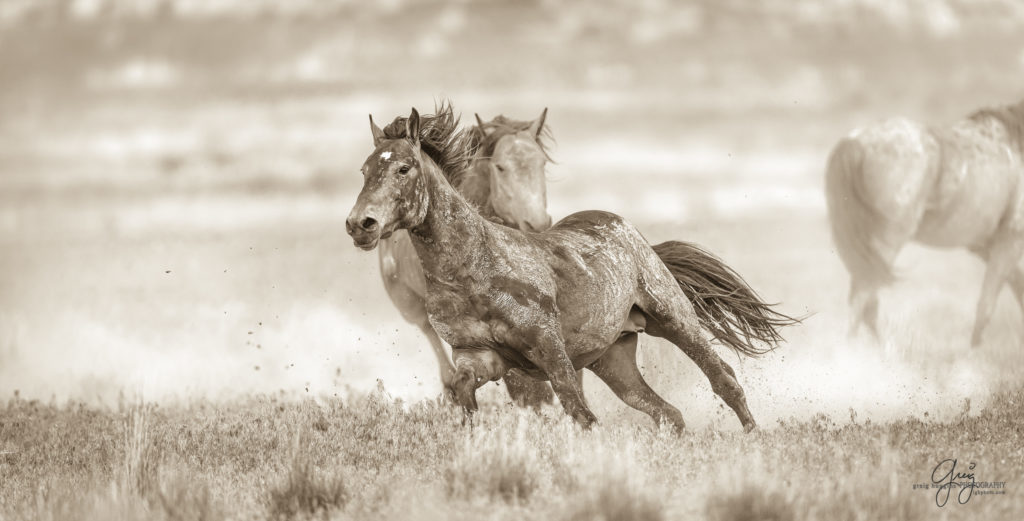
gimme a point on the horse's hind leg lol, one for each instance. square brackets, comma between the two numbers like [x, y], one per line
[526, 391]
[672, 317]
[618, 369]
[1017, 286]
[864, 306]
[865, 285]
[1002, 258]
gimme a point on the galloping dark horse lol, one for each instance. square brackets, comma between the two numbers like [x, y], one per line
[505, 180]
[549, 303]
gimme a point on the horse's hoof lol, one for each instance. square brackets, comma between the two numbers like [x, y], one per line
[750, 427]
[586, 421]
[448, 395]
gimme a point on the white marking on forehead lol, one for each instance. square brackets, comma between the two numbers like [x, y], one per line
[385, 155]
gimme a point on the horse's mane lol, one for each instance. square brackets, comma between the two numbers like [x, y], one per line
[440, 138]
[488, 135]
[1010, 116]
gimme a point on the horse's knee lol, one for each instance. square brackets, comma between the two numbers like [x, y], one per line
[728, 369]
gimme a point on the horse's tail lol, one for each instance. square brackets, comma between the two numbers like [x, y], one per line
[854, 220]
[725, 305]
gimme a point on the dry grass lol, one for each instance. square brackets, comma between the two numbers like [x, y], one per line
[612, 498]
[496, 466]
[368, 457]
[306, 490]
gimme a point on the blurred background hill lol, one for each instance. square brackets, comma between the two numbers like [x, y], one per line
[174, 174]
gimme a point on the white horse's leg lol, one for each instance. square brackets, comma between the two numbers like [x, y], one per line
[864, 287]
[1002, 257]
[401, 272]
[444, 364]
[864, 304]
[1017, 286]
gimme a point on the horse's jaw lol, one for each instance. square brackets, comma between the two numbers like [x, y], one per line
[367, 245]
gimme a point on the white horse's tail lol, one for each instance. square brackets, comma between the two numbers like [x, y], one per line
[856, 224]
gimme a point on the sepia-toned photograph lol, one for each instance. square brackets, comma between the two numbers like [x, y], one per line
[651, 260]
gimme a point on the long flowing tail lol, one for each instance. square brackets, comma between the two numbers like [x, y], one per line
[725, 303]
[854, 221]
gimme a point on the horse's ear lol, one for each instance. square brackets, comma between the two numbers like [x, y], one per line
[479, 122]
[378, 134]
[538, 124]
[412, 126]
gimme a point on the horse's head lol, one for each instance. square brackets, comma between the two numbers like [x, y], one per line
[518, 191]
[394, 194]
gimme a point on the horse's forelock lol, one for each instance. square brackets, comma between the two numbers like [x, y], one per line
[441, 139]
[501, 126]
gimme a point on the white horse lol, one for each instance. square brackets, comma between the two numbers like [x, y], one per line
[958, 187]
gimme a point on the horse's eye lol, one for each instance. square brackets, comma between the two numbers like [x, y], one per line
[499, 167]
[404, 169]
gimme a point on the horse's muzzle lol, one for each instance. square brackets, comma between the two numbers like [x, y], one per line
[365, 232]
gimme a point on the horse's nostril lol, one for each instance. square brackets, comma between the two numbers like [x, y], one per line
[369, 224]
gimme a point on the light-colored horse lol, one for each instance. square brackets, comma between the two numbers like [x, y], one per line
[506, 183]
[954, 187]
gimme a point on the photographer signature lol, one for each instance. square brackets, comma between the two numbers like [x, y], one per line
[952, 478]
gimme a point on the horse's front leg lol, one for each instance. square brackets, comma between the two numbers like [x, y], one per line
[551, 357]
[473, 368]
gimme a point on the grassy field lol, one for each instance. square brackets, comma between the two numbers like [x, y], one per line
[374, 457]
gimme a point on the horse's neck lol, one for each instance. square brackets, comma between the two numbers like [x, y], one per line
[476, 185]
[451, 231]
[476, 188]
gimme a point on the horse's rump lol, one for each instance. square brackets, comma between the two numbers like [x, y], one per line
[855, 221]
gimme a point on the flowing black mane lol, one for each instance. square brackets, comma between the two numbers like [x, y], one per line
[441, 139]
[487, 136]
[1011, 117]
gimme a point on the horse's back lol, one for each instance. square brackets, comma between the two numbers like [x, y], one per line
[594, 231]
[588, 219]
[945, 187]
[977, 185]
